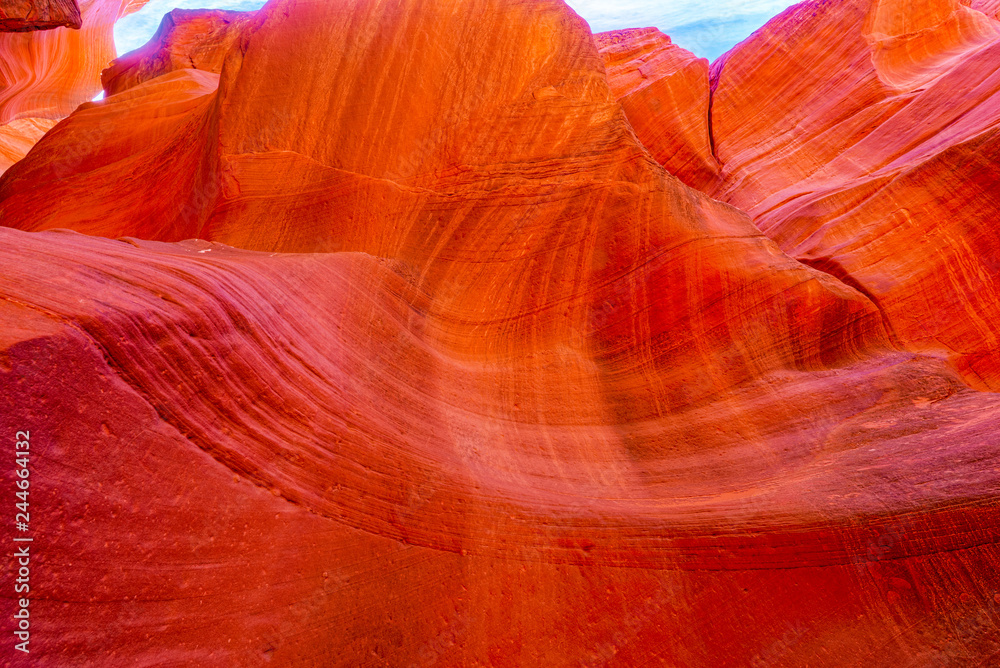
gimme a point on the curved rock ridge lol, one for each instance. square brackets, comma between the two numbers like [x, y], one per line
[29, 15]
[458, 374]
[664, 90]
[47, 74]
[548, 144]
[891, 190]
[196, 39]
[914, 42]
[989, 7]
[207, 372]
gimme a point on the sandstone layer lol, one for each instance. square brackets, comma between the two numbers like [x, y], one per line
[17, 138]
[407, 348]
[664, 91]
[884, 175]
[46, 74]
[186, 39]
[28, 15]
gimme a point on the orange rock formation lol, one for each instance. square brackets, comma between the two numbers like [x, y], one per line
[47, 74]
[28, 15]
[887, 179]
[18, 136]
[665, 93]
[457, 373]
[186, 39]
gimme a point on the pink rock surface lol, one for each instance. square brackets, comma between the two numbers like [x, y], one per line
[458, 374]
[316, 500]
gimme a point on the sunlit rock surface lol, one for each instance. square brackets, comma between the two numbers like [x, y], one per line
[458, 373]
[186, 39]
[18, 136]
[665, 93]
[46, 74]
[46, 70]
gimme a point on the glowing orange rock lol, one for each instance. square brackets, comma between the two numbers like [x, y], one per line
[464, 377]
[47, 74]
[886, 186]
[548, 136]
[17, 138]
[665, 93]
[914, 42]
[195, 39]
[28, 15]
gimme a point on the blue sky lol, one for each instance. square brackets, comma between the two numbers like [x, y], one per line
[709, 28]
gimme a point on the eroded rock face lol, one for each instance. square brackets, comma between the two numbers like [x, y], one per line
[243, 387]
[186, 39]
[47, 74]
[18, 136]
[914, 42]
[889, 186]
[29, 15]
[546, 134]
[665, 93]
[458, 374]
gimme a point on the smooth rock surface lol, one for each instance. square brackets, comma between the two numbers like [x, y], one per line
[47, 74]
[18, 136]
[458, 374]
[298, 475]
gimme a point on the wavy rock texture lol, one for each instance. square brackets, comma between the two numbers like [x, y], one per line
[47, 74]
[889, 187]
[462, 376]
[297, 473]
[28, 15]
[17, 138]
[989, 7]
[664, 91]
[186, 39]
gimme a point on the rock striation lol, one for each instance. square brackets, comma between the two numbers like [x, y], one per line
[18, 136]
[29, 15]
[664, 91]
[392, 339]
[47, 74]
[887, 179]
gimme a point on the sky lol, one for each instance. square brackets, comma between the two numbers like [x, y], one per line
[708, 28]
